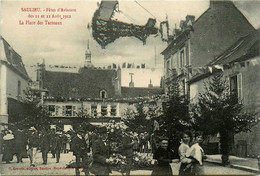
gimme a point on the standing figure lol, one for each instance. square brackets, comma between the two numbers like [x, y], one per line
[33, 144]
[79, 148]
[57, 145]
[8, 146]
[128, 144]
[52, 141]
[101, 158]
[45, 145]
[164, 157]
[186, 165]
[20, 144]
[197, 154]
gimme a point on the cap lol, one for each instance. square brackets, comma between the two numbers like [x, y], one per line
[32, 129]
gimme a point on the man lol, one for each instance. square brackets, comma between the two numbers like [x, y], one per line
[79, 148]
[20, 144]
[128, 150]
[163, 156]
[57, 145]
[101, 159]
[45, 145]
[52, 141]
[33, 143]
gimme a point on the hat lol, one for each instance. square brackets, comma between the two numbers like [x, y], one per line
[59, 132]
[102, 130]
[32, 129]
[80, 130]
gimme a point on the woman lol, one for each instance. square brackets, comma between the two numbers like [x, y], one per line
[164, 157]
[197, 154]
[185, 168]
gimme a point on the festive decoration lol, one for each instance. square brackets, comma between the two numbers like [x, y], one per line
[106, 30]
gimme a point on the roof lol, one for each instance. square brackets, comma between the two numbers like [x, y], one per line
[13, 58]
[86, 84]
[130, 92]
[213, 32]
[245, 47]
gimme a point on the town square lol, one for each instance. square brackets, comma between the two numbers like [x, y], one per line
[129, 87]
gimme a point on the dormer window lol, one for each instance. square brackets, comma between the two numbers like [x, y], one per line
[103, 94]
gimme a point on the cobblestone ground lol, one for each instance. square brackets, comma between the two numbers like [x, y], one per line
[53, 168]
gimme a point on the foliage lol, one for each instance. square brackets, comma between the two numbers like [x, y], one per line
[176, 109]
[137, 119]
[219, 111]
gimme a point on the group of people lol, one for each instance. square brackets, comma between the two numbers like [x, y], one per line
[191, 156]
[26, 143]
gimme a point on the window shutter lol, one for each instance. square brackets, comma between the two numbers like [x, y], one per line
[73, 110]
[57, 110]
[63, 111]
[239, 87]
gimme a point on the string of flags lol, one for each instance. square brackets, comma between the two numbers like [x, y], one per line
[125, 65]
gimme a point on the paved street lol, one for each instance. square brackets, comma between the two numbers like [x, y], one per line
[53, 168]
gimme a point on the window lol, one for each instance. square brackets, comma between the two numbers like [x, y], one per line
[168, 68]
[68, 111]
[52, 109]
[103, 94]
[236, 86]
[19, 88]
[104, 110]
[183, 87]
[182, 58]
[94, 110]
[113, 110]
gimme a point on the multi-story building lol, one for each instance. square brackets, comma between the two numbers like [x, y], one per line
[93, 92]
[14, 82]
[220, 39]
[200, 41]
[240, 66]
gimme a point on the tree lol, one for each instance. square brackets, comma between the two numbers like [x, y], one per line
[137, 119]
[176, 109]
[219, 111]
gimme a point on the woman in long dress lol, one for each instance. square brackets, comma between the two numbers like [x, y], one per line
[197, 155]
[185, 168]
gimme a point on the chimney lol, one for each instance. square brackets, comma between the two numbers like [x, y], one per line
[150, 85]
[117, 85]
[214, 3]
[190, 19]
[131, 83]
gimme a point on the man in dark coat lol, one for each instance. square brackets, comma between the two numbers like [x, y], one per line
[57, 144]
[20, 144]
[164, 157]
[128, 150]
[79, 148]
[52, 141]
[45, 145]
[101, 157]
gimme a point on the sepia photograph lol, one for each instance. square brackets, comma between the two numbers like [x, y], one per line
[129, 87]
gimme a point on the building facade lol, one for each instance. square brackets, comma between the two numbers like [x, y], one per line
[240, 66]
[14, 82]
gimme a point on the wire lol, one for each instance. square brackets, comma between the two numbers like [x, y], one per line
[146, 10]
[128, 17]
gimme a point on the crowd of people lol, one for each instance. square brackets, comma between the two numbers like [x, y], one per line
[83, 143]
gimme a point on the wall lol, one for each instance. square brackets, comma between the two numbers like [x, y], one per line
[216, 30]
[251, 101]
[12, 84]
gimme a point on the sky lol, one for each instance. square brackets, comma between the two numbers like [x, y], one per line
[66, 44]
